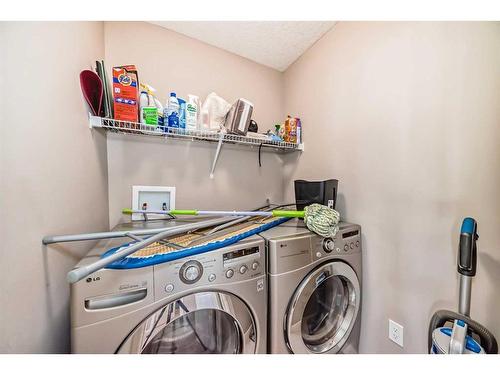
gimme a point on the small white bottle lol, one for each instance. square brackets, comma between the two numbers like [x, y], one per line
[192, 112]
[143, 102]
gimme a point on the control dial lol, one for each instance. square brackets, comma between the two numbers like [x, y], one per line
[191, 272]
[328, 245]
[243, 269]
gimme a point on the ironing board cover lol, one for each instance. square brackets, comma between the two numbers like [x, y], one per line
[157, 253]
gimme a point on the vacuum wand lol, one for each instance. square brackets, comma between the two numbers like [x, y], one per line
[465, 336]
[466, 265]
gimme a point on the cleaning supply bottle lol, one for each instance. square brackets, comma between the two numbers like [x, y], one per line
[143, 102]
[299, 130]
[281, 132]
[160, 111]
[182, 113]
[147, 102]
[192, 112]
[172, 111]
[291, 130]
[148, 112]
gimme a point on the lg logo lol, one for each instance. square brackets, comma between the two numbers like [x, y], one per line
[90, 279]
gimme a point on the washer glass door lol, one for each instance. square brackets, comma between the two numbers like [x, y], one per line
[323, 310]
[205, 322]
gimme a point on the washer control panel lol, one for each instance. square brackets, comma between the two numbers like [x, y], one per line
[244, 260]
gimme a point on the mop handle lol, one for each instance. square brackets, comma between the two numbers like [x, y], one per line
[275, 213]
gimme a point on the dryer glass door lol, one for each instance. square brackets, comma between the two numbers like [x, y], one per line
[205, 322]
[323, 310]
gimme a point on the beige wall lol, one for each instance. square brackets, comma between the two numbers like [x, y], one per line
[407, 117]
[52, 177]
[172, 62]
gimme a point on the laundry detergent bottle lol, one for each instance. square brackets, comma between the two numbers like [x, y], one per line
[172, 111]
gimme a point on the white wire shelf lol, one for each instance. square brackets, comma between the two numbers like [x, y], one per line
[135, 128]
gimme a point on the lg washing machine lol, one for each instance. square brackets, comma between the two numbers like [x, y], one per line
[314, 289]
[209, 303]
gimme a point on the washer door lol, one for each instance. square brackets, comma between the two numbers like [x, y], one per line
[205, 322]
[323, 310]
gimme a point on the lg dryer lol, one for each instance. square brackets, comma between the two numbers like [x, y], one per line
[314, 289]
[208, 303]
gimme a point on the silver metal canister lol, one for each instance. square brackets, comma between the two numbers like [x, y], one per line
[239, 116]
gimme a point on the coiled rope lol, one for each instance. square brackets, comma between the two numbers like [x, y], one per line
[321, 220]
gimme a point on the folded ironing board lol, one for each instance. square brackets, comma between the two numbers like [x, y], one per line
[190, 244]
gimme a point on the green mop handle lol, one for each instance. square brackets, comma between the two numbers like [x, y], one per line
[279, 213]
[183, 212]
[276, 213]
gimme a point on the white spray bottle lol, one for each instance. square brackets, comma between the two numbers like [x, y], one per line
[192, 112]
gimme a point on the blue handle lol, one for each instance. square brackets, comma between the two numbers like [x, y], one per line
[467, 249]
[468, 225]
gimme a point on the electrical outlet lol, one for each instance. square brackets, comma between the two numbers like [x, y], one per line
[396, 332]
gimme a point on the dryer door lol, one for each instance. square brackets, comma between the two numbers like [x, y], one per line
[323, 309]
[205, 322]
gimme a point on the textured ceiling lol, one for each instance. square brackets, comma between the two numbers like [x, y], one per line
[276, 44]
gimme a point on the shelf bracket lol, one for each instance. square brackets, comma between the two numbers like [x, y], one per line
[217, 152]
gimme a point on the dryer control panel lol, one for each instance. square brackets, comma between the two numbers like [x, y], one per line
[346, 241]
[293, 248]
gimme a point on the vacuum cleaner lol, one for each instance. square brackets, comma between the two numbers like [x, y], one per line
[457, 333]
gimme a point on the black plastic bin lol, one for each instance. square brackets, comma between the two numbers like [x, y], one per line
[322, 192]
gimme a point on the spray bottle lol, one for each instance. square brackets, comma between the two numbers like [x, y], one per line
[192, 112]
[147, 101]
